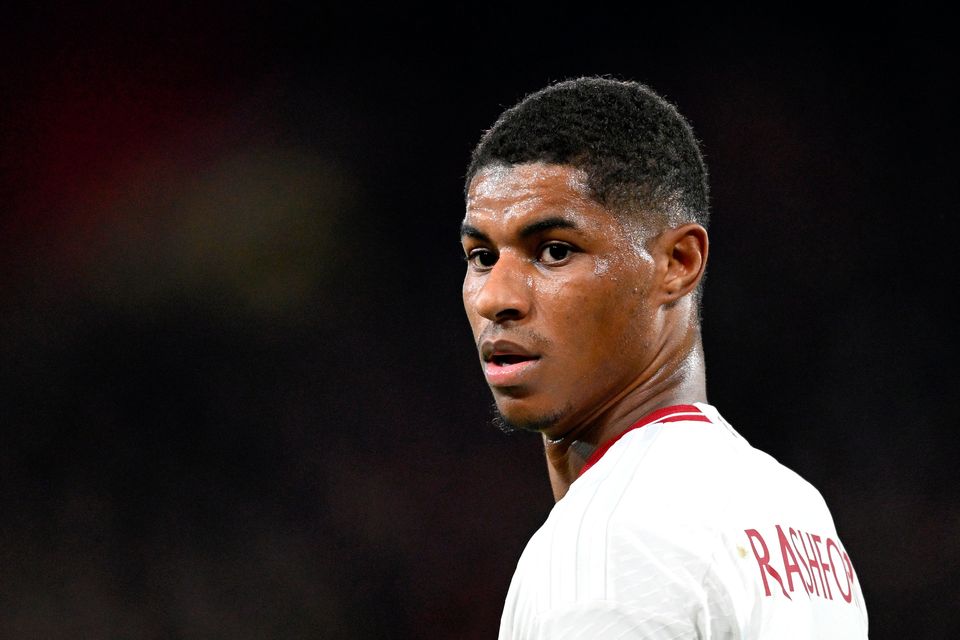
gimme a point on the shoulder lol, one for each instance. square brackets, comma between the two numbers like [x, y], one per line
[690, 468]
[685, 521]
[674, 497]
[645, 519]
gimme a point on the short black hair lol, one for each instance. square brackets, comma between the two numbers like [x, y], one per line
[638, 152]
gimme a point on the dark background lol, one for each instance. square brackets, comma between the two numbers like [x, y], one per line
[240, 398]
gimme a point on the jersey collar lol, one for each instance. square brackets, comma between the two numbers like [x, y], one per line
[676, 413]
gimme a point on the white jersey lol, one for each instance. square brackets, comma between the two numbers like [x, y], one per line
[681, 529]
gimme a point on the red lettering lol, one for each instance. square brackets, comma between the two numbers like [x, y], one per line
[763, 562]
[790, 565]
[831, 545]
[824, 567]
[806, 585]
[812, 560]
[816, 561]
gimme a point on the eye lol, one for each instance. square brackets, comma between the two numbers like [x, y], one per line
[555, 253]
[482, 258]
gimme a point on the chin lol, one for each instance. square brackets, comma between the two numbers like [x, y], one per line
[509, 417]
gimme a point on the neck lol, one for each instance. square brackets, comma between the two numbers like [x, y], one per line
[677, 381]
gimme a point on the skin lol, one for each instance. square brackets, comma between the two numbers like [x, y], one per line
[596, 309]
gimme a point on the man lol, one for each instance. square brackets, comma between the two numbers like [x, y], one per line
[585, 239]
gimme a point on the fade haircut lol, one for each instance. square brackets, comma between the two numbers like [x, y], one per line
[639, 154]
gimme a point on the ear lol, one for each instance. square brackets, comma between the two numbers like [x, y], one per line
[683, 252]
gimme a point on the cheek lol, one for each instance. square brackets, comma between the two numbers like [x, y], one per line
[471, 287]
[601, 266]
[614, 319]
[587, 312]
[549, 291]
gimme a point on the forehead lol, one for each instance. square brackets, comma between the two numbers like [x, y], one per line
[510, 194]
[498, 182]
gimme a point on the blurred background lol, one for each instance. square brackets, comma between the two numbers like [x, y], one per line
[239, 398]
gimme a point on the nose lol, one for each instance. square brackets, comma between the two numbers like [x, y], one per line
[504, 294]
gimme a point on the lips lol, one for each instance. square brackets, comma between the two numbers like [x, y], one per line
[506, 363]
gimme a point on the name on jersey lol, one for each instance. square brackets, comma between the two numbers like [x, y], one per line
[802, 561]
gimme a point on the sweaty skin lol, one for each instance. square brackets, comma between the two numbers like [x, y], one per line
[581, 317]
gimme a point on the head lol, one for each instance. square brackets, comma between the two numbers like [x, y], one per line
[638, 153]
[586, 245]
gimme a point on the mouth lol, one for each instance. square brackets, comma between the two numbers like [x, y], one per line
[507, 364]
[509, 370]
[505, 352]
[507, 359]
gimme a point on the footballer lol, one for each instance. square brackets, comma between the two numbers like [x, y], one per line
[586, 241]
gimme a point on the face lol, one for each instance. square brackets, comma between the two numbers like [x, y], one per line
[558, 292]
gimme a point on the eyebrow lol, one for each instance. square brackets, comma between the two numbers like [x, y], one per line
[473, 232]
[546, 224]
[554, 222]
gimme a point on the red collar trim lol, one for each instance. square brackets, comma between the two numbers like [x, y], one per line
[676, 413]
